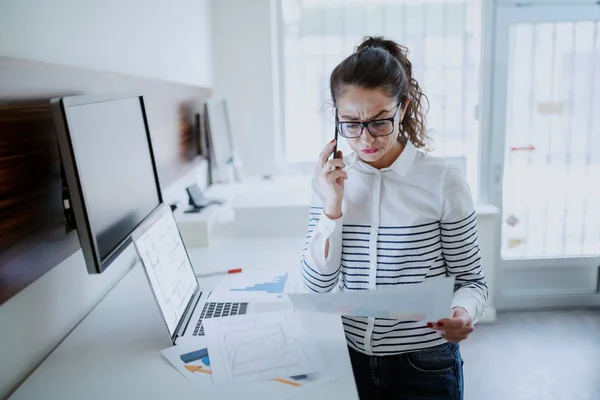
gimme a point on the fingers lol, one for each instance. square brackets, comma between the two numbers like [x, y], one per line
[335, 175]
[457, 320]
[455, 338]
[326, 152]
[332, 165]
[454, 335]
[452, 326]
[452, 323]
[465, 330]
[446, 324]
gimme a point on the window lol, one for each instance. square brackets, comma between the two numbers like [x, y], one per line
[443, 37]
[551, 140]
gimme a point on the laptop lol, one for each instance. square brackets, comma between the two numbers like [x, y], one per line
[175, 287]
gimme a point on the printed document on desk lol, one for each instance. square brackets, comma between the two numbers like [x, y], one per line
[429, 301]
[253, 286]
[255, 347]
[192, 360]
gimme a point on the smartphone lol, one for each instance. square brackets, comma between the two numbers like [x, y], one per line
[335, 147]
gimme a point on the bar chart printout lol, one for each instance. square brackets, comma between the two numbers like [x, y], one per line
[255, 286]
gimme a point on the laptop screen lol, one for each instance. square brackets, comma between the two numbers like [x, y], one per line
[167, 265]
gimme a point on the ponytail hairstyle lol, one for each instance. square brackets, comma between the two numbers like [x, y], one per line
[383, 64]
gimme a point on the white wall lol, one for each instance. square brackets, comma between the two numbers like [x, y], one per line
[243, 75]
[164, 40]
[167, 40]
[37, 319]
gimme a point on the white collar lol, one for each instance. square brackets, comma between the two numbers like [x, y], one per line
[401, 165]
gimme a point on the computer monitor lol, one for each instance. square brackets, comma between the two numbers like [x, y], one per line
[110, 171]
[221, 141]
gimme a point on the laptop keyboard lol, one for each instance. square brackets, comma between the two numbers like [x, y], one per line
[215, 310]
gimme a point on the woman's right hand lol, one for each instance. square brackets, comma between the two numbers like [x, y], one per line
[331, 177]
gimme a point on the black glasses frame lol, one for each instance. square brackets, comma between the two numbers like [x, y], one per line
[339, 125]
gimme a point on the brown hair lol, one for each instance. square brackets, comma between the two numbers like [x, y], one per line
[378, 63]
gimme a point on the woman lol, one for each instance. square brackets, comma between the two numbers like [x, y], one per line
[390, 214]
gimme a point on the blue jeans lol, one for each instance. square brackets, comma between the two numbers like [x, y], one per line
[429, 374]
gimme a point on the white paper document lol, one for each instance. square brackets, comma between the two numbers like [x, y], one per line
[253, 286]
[429, 301]
[192, 361]
[247, 348]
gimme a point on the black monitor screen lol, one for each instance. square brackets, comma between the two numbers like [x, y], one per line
[115, 169]
[220, 137]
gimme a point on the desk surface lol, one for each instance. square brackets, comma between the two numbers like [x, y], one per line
[280, 191]
[283, 192]
[115, 351]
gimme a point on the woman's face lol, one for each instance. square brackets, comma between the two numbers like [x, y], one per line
[358, 104]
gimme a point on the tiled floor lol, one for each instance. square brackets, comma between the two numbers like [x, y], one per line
[534, 355]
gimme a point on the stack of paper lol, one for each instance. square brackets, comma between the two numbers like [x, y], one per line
[268, 353]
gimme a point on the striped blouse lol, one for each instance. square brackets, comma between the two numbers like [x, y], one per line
[400, 225]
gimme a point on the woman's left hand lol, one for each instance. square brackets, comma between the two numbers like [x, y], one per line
[456, 328]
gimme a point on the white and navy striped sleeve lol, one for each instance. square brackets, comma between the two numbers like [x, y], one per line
[460, 245]
[320, 273]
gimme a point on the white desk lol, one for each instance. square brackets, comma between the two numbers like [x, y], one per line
[115, 352]
[264, 207]
[256, 192]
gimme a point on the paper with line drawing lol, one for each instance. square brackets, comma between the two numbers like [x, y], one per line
[261, 346]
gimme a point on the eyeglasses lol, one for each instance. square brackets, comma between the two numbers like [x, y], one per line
[376, 127]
